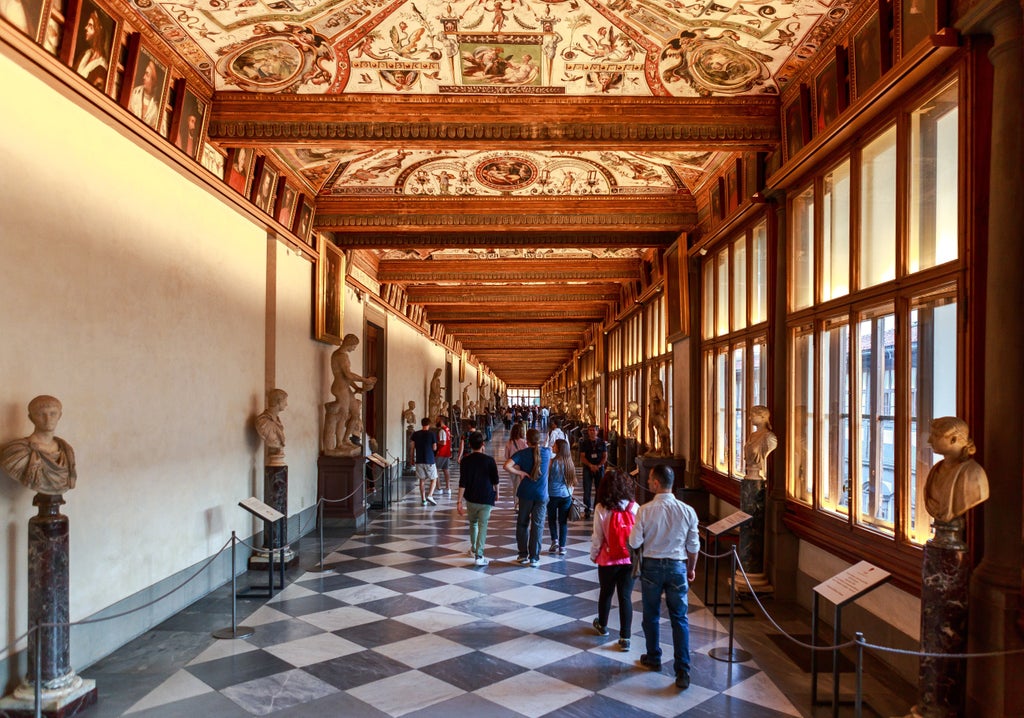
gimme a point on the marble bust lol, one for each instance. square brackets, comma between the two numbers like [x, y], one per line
[761, 442]
[270, 428]
[409, 415]
[957, 483]
[41, 461]
[633, 420]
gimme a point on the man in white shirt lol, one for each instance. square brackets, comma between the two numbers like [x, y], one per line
[555, 433]
[667, 530]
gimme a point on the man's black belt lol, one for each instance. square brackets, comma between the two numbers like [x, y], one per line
[665, 560]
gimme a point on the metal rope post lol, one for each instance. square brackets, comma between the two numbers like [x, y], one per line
[320, 512]
[731, 655]
[857, 702]
[235, 631]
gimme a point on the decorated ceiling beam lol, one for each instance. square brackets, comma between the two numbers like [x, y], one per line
[455, 295]
[548, 123]
[456, 236]
[511, 270]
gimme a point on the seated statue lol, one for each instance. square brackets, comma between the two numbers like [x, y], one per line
[957, 483]
[270, 428]
[41, 461]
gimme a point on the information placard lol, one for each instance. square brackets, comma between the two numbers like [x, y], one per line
[378, 460]
[729, 522]
[260, 510]
[851, 583]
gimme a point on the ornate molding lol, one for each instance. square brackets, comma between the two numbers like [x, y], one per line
[648, 219]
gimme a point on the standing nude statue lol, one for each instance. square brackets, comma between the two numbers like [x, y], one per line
[661, 437]
[345, 386]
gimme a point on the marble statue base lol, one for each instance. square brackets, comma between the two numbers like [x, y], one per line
[944, 591]
[751, 548]
[275, 495]
[645, 463]
[58, 703]
[341, 477]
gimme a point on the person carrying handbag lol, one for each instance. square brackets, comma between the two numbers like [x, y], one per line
[614, 516]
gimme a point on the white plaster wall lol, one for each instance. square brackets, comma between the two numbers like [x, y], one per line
[891, 605]
[138, 300]
[412, 359]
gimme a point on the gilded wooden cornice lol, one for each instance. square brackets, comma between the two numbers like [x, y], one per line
[625, 237]
[432, 122]
[514, 313]
[427, 295]
[510, 270]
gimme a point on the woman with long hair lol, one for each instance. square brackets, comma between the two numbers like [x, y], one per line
[561, 481]
[614, 515]
[531, 466]
[515, 443]
[92, 62]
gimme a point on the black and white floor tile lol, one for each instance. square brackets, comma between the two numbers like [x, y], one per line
[398, 621]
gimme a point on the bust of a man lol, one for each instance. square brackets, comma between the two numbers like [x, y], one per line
[409, 415]
[41, 461]
[270, 428]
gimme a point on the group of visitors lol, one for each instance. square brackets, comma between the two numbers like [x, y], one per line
[543, 481]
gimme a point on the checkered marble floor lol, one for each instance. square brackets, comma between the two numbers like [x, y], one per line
[398, 621]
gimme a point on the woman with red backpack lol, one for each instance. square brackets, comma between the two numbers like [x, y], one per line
[614, 515]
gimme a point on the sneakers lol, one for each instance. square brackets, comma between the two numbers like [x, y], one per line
[601, 630]
[683, 680]
[430, 500]
[524, 560]
[561, 550]
[623, 644]
[653, 664]
[553, 549]
[481, 561]
[534, 562]
[424, 502]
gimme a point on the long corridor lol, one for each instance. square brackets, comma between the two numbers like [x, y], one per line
[400, 622]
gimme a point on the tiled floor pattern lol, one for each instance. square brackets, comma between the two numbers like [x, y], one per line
[399, 622]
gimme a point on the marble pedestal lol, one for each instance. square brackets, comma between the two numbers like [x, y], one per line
[944, 591]
[645, 463]
[63, 692]
[341, 477]
[751, 546]
[408, 467]
[275, 495]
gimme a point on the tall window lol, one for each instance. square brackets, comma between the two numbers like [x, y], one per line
[868, 376]
[734, 345]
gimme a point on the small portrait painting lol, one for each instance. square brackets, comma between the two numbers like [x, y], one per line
[190, 114]
[146, 99]
[93, 44]
[239, 168]
[795, 125]
[285, 205]
[826, 97]
[26, 15]
[265, 186]
[717, 208]
[330, 294]
[213, 160]
[867, 55]
[917, 20]
[304, 219]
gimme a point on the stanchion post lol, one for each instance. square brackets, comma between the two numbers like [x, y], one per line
[39, 674]
[235, 631]
[320, 513]
[857, 707]
[731, 655]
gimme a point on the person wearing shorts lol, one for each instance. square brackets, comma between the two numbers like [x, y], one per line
[443, 455]
[423, 445]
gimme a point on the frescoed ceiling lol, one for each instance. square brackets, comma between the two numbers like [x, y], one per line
[512, 132]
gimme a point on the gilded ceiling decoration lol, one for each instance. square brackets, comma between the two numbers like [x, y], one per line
[501, 47]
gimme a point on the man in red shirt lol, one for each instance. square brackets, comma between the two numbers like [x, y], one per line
[443, 455]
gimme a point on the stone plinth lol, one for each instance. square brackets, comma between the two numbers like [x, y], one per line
[341, 477]
[751, 545]
[275, 495]
[644, 465]
[62, 690]
[944, 591]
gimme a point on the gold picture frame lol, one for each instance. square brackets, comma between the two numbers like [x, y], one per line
[329, 310]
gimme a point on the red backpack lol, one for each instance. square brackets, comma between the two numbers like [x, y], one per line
[616, 535]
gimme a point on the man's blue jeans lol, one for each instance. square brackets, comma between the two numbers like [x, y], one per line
[660, 576]
[530, 527]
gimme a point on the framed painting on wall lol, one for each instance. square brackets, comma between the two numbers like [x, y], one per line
[89, 42]
[239, 168]
[715, 196]
[284, 208]
[826, 97]
[916, 20]
[330, 293]
[264, 185]
[188, 121]
[870, 49]
[144, 95]
[304, 219]
[26, 15]
[796, 123]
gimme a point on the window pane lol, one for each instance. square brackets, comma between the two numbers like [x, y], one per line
[759, 372]
[876, 437]
[801, 259]
[709, 409]
[801, 414]
[722, 411]
[739, 409]
[739, 283]
[835, 239]
[878, 210]
[708, 326]
[722, 312]
[834, 460]
[933, 382]
[759, 275]
[934, 156]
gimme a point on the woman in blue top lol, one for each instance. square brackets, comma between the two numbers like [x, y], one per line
[561, 480]
[531, 465]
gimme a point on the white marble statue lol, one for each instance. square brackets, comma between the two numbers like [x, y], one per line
[464, 406]
[761, 442]
[957, 483]
[270, 428]
[345, 388]
[633, 420]
[409, 415]
[661, 437]
[434, 397]
[41, 461]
